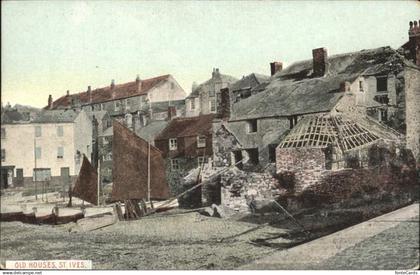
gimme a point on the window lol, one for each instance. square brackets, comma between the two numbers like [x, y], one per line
[201, 161]
[105, 140]
[361, 86]
[383, 99]
[127, 104]
[212, 105]
[108, 156]
[253, 155]
[272, 152]
[172, 86]
[37, 152]
[41, 174]
[201, 142]
[212, 93]
[382, 84]
[173, 145]
[117, 105]
[38, 132]
[192, 104]
[175, 164]
[3, 133]
[60, 131]
[252, 126]
[3, 155]
[60, 152]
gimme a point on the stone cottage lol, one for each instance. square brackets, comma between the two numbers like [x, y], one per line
[375, 82]
[186, 143]
[319, 144]
[203, 98]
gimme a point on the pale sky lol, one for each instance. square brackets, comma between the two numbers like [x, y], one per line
[49, 47]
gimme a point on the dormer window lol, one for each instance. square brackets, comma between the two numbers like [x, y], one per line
[382, 84]
[252, 126]
[173, 144]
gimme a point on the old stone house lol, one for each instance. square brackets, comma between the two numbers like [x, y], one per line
[186, 143]
[321, 144]
[138, 100]
[375, 82]
[203, 98]
[48, 147]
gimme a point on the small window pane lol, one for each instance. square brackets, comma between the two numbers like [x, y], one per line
[60, 152]
[3, 132]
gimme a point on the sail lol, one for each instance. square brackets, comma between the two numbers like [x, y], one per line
[130, 167]
[86, 187]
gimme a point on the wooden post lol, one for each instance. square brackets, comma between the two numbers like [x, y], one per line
[118, 210]
[99, 181]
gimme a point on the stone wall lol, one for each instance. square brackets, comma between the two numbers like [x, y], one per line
[299, 168]
[237, 188]
[269, 132]
[412, 95]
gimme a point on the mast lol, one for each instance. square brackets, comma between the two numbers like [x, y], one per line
[35, 177]
[99, 181]
[148, 154]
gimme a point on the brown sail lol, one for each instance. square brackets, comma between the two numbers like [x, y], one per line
[130, 167]
[86, 187]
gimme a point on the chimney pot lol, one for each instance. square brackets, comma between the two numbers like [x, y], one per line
[68, 93]
[319, 59]
[112, 84]
[276, 67]
[50, 102]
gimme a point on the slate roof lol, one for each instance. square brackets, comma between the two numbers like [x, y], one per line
[294, 90]
[56, 116]
[187, 126]
[249, 81]
[151, 130]
[104, 94]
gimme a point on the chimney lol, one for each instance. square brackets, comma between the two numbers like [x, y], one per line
[68, 93]
[112, 84]
[345, 86]
[138, 83]
[171, 112]
[224, 107]
[319, 62]
[89, 93]
[276, 67]
[50, 102]
[414, 42]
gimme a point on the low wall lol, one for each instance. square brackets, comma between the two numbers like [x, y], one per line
[237, 188]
